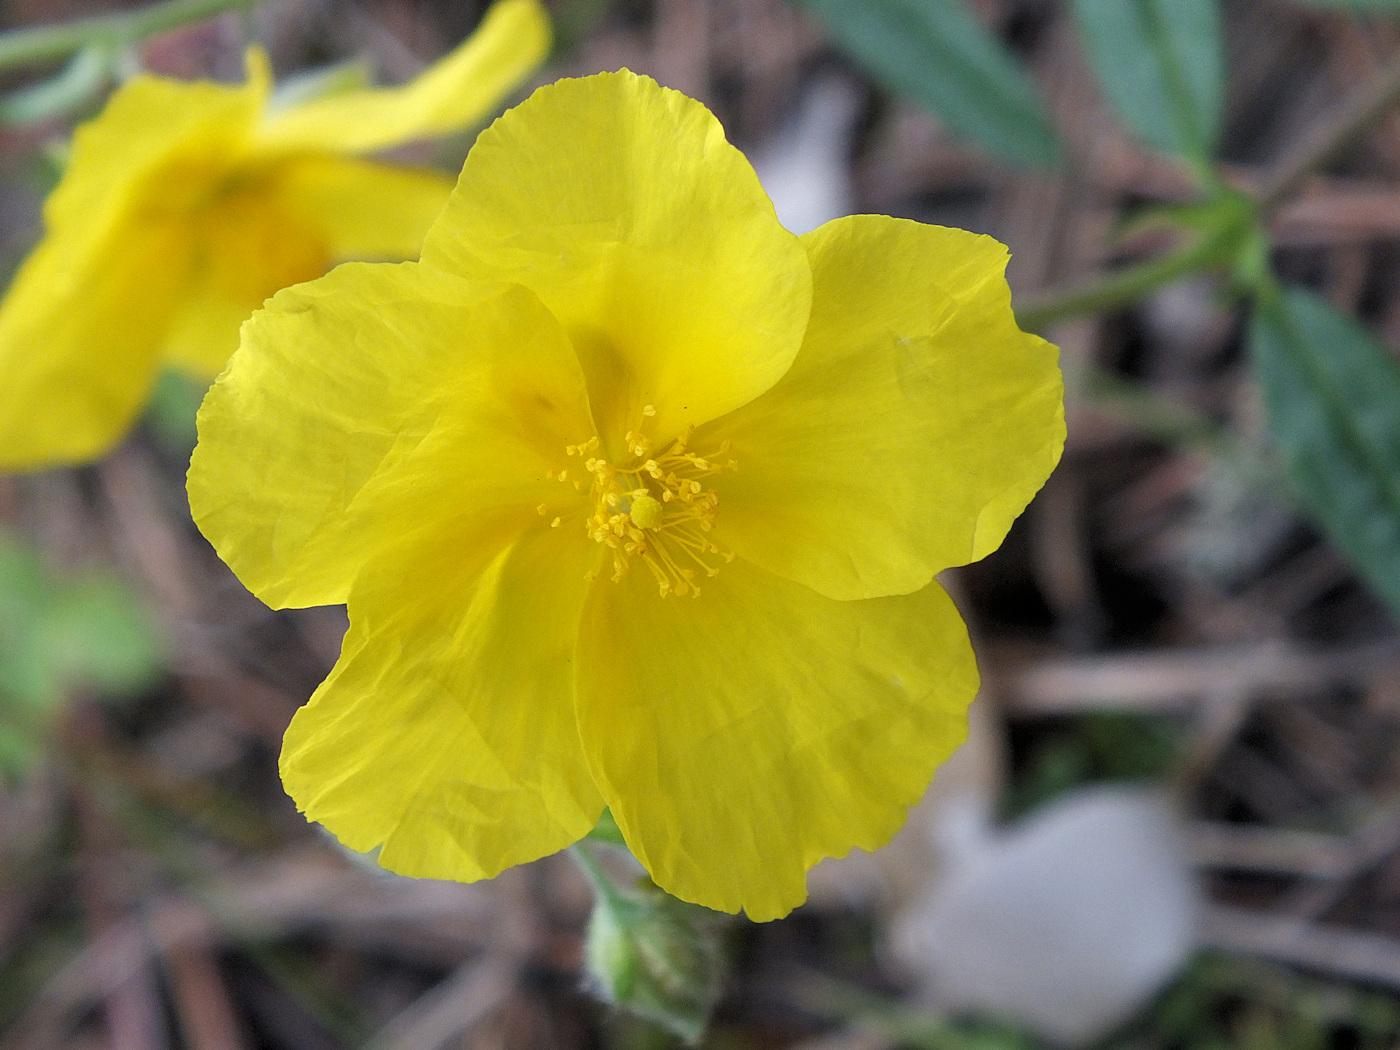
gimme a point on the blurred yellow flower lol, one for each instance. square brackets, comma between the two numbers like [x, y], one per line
[185, 205]
[636, 500]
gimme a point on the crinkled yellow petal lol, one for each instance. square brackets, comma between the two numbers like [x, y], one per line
[458, 90]
[915, 425]
[446, 732]
[622, 206]
[364, 210]
[373, 402]
[150, 124]
[82, 322]
[78, 338]
[284, 223]
[247, 245]
[741, 736]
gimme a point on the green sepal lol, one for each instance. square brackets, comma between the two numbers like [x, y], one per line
[652, 955]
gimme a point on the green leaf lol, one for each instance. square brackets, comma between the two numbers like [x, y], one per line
[61, 631]
[937, 54]
[75, 88]
[1162, 65]
[1333, 397]
[16, 751]
[97, 632]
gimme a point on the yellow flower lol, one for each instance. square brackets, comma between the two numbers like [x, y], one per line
[636, 500]
[185, 205]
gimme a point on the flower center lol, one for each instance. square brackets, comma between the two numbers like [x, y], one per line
[656, 508]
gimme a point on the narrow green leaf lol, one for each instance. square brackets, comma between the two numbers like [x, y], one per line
[1162, 65]
[76, 87]
[936, 53]
[1333, 397]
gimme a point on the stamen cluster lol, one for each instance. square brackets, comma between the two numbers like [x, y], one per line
[656, 508]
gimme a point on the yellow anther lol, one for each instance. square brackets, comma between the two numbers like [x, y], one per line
[648, 410]
[555, 523]
[540, 510]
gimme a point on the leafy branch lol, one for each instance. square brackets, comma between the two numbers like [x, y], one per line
[1129, 284]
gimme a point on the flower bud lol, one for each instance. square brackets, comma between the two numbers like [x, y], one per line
[655, 956]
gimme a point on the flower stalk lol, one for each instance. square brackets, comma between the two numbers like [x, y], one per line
[649, 954]
[1117, 289]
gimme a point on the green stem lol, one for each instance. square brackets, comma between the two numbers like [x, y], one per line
[1149, 413]
[1353, 118]
[1113, 290]
[49, 43]
[602, 885]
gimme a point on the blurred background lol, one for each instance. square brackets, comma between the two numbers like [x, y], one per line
[1176, 823]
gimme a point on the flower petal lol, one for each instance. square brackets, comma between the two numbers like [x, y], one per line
[376, 399]
[246, 247]
[79, 330]
[453, 93]
[915, 425]
[82, 320]
[364, 210]
[147, 123]
[292, 222]
[203, 331]
[741, 736]
[446, 732]
[622, 206]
